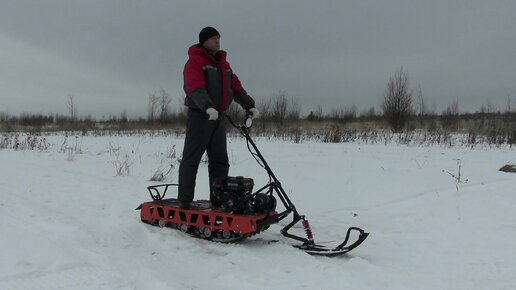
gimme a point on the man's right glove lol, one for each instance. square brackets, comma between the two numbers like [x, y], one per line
[255, 114]
[212, 113]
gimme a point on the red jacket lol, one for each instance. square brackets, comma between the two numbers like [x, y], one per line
[209, 82]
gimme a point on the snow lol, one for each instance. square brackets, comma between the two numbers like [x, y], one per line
[69, 222]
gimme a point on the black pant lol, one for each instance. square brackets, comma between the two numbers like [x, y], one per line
[202, 135]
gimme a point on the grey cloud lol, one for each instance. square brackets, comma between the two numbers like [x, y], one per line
[332, 53]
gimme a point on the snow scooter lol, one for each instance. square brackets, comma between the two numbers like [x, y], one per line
[234, 212]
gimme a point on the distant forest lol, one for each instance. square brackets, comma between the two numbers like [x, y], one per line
[402, 111]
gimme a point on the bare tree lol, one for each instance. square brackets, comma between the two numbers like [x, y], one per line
[123, 116]
[72, 109]
[491, 108]
[422, 105]
[397, 102]
[508, 108]
[235, 112]
[450, 116]
[164, 102]
[294, 109]
[280, 107]
[352, 112]
[319, 112]
[372, 112]
[344, 114]
[264, 105]
[488, 108]
[4, 117]
[152, 107]
[510, 126]
[422, 110]
[316, 115]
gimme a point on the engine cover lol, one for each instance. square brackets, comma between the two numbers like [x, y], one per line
[232, 193]
[235, 195]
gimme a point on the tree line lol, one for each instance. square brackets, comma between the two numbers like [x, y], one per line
[401, 110]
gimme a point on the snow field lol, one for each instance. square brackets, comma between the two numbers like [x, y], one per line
[68, 221]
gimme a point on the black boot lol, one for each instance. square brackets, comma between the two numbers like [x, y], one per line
[184, 204]
[215, 192]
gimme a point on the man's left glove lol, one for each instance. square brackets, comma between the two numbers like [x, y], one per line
[212, 114]
[255, 114]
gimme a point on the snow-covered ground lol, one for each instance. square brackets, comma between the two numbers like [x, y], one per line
[67, 219]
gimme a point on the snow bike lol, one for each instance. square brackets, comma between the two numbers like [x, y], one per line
[234, 212]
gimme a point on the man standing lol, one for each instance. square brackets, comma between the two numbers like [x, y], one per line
[210, 87]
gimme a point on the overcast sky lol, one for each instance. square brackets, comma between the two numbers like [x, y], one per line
[110, 55]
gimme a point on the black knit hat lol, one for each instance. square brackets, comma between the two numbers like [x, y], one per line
[207, 33]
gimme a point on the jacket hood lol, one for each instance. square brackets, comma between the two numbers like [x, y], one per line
[199, 50]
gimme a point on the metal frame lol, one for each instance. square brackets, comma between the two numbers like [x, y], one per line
[275, 185]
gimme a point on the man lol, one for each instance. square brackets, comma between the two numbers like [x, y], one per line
[210, 87]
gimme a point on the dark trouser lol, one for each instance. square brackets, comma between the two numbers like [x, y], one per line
[202, 135]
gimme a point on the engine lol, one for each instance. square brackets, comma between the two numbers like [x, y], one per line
[234, 194]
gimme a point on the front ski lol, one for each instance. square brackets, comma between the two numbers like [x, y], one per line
[318, 250]
[309, 245]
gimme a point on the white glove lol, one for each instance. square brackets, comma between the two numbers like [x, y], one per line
[255, 114]
[214, 114]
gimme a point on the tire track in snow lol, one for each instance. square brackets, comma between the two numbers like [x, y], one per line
[78, 276]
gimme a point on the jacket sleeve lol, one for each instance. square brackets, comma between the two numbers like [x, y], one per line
[196, 93]
[240, 95]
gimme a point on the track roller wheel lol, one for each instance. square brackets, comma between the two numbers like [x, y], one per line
[184, 228]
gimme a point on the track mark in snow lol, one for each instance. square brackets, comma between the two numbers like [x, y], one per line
[64, 277]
